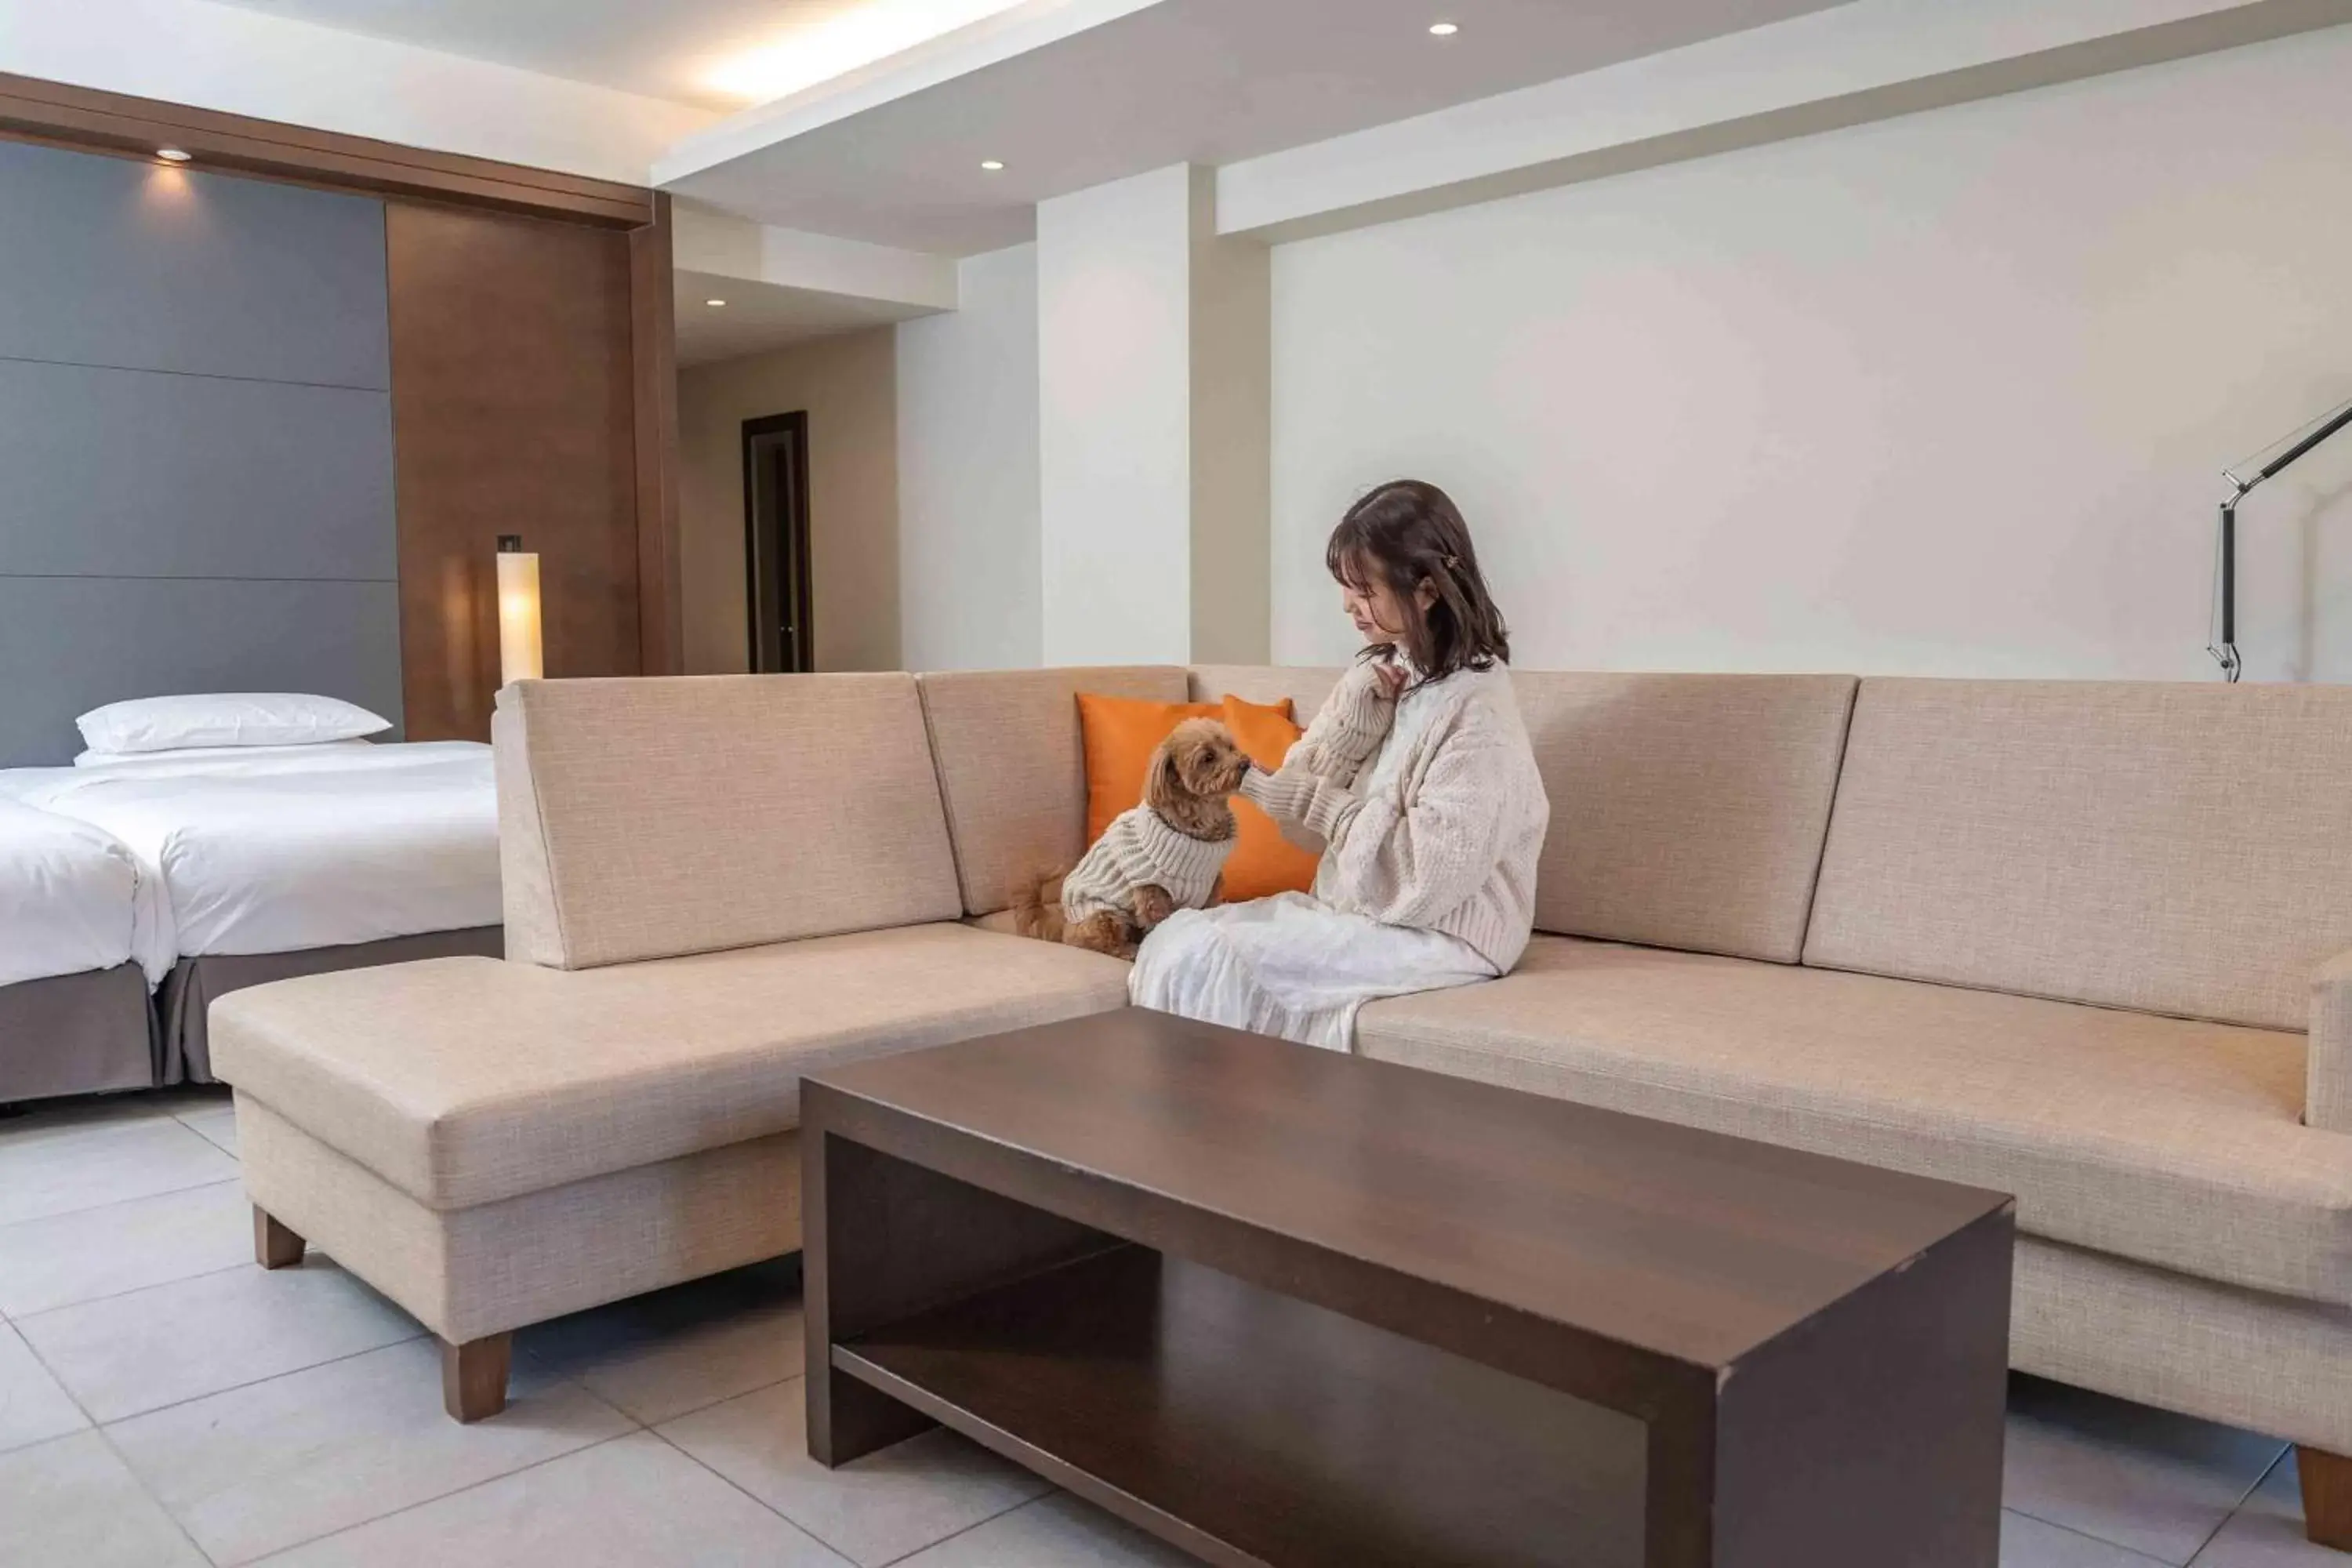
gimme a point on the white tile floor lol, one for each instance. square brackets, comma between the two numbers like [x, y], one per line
[163, 1401]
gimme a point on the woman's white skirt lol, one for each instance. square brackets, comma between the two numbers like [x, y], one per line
[1291, 966]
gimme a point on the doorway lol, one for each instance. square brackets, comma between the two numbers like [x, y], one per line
[776, 543]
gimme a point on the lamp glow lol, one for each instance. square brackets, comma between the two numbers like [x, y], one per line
[518, 649]
[1442, 29]
[852, 37]
[171, 154]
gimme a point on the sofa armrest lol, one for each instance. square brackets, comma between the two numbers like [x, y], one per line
[2327, 1079]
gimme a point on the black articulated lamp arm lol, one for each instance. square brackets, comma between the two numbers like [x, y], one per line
[2224, 647]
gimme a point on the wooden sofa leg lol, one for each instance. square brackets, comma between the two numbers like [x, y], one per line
[2326, 1496]
[474, 1376]
[274, 1246]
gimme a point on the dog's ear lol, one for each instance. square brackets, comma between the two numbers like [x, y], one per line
[1163, 786]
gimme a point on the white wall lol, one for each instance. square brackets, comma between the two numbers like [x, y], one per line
[969, 574]
[250, 62]
[847, 385]
[1942, 394]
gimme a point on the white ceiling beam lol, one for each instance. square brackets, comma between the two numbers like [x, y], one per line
[1869, 60]
[721, 245]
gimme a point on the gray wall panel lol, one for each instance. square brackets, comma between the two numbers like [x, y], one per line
[129, 473]
[196, 443]
[116, 262]
[70, 644]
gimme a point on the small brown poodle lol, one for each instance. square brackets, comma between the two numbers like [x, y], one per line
[1164, 855]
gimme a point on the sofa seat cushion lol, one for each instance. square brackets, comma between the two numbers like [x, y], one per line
[465, 1080]
[2170, 1141]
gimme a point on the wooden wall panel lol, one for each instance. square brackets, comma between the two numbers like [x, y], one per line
[514, 396]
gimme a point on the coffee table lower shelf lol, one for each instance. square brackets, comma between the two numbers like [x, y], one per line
[1251, 1428]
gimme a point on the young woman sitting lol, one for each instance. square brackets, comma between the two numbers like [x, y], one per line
[1415, 784]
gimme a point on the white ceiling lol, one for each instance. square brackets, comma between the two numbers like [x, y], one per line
[758, 317]
[1207, 81]
[721, 54]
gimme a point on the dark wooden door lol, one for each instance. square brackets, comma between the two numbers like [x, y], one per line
[776, 543]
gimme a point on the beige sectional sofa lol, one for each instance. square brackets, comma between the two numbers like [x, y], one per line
[2080, 941]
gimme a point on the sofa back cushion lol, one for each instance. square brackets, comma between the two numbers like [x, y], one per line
[2174, 848]
[644, 819]
[1687, 811]
[1304, 686]
[1012, 769]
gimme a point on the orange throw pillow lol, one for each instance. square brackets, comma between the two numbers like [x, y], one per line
[1120, 733]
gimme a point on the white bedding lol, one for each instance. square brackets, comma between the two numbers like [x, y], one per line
[318, 847]
[74, 899]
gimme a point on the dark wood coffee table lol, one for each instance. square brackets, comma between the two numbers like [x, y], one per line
[1285, 1307]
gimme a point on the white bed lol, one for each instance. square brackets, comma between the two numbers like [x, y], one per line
[288, 849]
[73, 899]
[272, 862]
[81, 944]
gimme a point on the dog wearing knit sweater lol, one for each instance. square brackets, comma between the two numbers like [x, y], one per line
[1164, 855]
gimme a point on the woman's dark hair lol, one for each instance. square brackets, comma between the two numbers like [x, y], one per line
[1410, 532]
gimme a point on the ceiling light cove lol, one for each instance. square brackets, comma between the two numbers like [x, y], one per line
[1443, 29]
[813, 52]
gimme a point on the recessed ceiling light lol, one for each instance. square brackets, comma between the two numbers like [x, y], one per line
[714, 304]
[173, 154]
[1444, 29]
[990, 165]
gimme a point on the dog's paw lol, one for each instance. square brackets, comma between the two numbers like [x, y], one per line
[1152, 905]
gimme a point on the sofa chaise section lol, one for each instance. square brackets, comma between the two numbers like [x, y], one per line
[712, 886]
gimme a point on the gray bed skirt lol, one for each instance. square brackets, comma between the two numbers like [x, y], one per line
[90, 1033]
[195, 983]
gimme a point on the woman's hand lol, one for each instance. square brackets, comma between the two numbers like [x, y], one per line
[1296, 797]
[1353, 722]
[1362, 707]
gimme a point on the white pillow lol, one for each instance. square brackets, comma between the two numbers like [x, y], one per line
[235, 719]
[132, 762]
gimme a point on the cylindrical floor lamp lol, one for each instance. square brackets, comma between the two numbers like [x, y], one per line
[519, 648]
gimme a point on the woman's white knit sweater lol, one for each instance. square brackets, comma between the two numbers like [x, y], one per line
[1450, 843]
[1139, 847]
